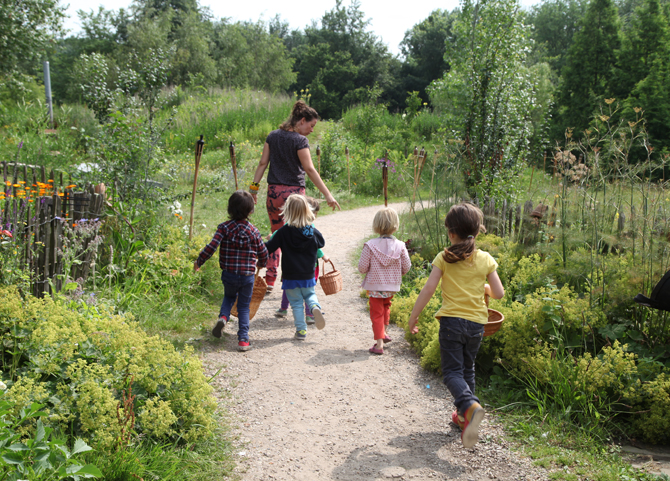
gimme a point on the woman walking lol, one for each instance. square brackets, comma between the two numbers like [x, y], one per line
[286, 151]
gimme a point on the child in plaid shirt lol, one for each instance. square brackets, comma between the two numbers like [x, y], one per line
[240, 246]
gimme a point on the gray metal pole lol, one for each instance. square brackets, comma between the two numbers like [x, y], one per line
[47, 91]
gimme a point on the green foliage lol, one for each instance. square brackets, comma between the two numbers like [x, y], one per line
[555, 23]
[424, 47]
[491, 92]
[339, 60]
[92, 72]
[589, 66]
[247, 55]
[78, 360]
[225, 116]
[27, 28]
[40, 456]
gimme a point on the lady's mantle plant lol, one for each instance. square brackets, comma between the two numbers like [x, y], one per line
[77, 360]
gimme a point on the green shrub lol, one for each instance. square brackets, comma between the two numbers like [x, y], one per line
[78, 360]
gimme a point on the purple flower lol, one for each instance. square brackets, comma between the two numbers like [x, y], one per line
[20, 145]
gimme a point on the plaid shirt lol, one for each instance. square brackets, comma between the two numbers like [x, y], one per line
[240, 244]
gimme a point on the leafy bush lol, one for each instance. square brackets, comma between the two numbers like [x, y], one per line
[78, 360]
[552, 348]
[39, 456]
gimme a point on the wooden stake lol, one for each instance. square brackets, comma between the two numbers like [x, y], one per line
[233, 161]
[385, 178]
[432, 178]
[531, 178]
[346, 152]
[198, 154]
[415, 157]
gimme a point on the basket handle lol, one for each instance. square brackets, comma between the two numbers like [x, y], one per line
[331, 264]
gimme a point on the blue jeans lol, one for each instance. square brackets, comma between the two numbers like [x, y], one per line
[459, 342]
[295, 298]
[240, 288]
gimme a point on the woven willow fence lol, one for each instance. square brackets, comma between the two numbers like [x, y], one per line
[35, 208]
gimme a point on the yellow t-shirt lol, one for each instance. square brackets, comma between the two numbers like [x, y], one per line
[463, 286]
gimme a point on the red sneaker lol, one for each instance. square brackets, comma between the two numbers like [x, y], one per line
[243, 346]
[473, 418]
[458, 420]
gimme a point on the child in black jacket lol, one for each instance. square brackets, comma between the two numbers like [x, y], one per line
[299, 242]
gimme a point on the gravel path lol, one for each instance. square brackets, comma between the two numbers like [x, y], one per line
[325, 408]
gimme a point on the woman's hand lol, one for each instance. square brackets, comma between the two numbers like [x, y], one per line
[330, 200]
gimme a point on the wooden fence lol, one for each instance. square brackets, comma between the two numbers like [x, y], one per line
[35, 207]
[515, 220]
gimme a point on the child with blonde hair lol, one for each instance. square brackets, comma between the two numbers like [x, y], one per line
[283, 308]
[463, 270]
[384, 261]
[299, 242]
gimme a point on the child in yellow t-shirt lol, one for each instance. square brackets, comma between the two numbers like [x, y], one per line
[463, 270]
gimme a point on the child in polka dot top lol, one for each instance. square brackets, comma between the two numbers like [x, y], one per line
[384, 261]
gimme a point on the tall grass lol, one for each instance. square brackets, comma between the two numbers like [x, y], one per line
[223, 116]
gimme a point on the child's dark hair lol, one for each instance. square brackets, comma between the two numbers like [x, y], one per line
[240, 205]
[463, 220]
[314, 204]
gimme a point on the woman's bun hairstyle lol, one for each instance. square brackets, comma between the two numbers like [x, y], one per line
[463, 220]
[300, 111]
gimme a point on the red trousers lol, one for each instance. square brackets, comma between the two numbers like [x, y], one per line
[380, 315]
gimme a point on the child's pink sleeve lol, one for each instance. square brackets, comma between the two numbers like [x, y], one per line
[405, 262]
[364, 262]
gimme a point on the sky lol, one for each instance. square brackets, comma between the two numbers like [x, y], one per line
[389, 19]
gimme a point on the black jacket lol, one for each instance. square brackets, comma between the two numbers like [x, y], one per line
[299, 248]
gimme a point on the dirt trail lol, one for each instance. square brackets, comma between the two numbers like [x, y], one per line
[325, 408]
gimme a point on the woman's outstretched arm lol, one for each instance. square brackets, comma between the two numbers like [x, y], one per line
[308, 166]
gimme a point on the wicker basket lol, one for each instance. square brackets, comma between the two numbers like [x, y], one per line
[495, 322]
[331, 283]
[260, 287]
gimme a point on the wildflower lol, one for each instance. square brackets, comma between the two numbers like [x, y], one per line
[604, 118]
[637, 110]
[3, 386]
[609, 101]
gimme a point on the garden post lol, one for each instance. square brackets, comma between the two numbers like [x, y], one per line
[432, 177]
[415, 156]
[385, 179]
[346, 152]
[198, 153]
[233, 161]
